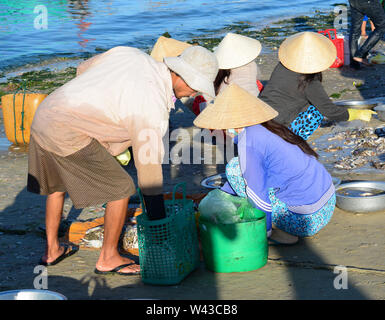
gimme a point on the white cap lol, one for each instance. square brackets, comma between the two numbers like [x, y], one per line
[197, 66]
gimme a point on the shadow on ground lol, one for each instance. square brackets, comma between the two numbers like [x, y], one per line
[309, 279]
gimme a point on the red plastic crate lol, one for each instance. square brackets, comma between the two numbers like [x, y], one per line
[339, 43]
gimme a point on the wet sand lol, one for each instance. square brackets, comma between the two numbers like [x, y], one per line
[303, 271]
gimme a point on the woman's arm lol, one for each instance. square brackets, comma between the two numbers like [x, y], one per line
[317, 96]
[363, 28]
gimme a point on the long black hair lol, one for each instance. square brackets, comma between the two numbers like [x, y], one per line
[305, 79]
[222, 76]
[290, 137]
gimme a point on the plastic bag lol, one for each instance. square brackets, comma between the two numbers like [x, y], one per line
[124, 158]
[221, 207]
[378, 59]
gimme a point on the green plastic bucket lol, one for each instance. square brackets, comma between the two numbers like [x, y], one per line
[238, 247]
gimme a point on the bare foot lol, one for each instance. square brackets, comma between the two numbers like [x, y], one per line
[115, 261]
[279, 236]
[363, 61]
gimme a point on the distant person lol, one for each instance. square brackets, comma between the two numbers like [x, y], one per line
[236, 56]
[375, 12]
[275, 169]
[118, 99]
[295, 87]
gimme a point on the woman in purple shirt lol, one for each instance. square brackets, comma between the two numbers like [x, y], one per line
[276, 169]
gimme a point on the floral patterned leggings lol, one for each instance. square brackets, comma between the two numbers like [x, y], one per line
[301, 225]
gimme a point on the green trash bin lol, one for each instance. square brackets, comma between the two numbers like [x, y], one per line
[238, 247]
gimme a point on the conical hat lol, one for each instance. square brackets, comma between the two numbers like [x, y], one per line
[307, 52]
[168, 47]
[234, 107]
[236, 50]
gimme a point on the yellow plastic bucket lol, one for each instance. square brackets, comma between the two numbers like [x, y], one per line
[18, 112]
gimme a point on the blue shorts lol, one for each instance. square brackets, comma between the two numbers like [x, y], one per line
[306, 122]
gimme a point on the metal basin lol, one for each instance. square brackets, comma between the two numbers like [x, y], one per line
[218, 180]
[380, 109]
[336, 181]
[31, 294]
[356, 104]
[214, 182]
[361, 196]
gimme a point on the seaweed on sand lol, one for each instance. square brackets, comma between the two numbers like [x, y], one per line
[44, 81]
[271, 35]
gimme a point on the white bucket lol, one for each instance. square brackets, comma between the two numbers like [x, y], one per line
[346, 50]
[31, 294]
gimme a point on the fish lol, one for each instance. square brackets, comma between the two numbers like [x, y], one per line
[129, 237]
[353, 148]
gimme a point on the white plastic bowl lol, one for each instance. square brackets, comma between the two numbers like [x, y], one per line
[214, 182]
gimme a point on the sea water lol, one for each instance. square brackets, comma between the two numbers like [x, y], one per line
[34, 30]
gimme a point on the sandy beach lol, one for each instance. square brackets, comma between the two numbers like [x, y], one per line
[304, 271]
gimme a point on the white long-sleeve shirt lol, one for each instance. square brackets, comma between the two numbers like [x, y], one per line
[246, 77]
[121, 98]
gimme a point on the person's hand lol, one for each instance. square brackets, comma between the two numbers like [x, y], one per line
[124, 158]
[360, 114]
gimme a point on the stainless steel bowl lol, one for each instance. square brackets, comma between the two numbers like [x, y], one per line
[214, 182]
[380, 109]
[356, 104]
[31, 294]
[217, 181]
[336, 181]
[361, 196]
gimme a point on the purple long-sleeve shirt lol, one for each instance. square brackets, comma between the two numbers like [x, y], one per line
[267, 161]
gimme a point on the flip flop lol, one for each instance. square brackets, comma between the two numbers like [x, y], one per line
[116, 270]
[64, 255]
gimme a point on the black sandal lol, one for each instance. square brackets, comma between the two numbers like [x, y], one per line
[117, 269]
[64, 255]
